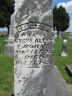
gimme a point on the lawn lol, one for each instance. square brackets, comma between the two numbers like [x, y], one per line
[7, 66]
[61, 62]
[6, 72]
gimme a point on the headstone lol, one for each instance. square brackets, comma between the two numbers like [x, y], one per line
[9, 48]
[60, 35]
[0, 48]
[55, 36]
[64, 48]
[33, 48]
[70, 37]
[6, 38]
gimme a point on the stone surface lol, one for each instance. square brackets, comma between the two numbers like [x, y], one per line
[64, 48]
[69, 69]
[9, 48]
[6, 38]
[60, 35]
[0, 48]
[33, 50]
[61, 87]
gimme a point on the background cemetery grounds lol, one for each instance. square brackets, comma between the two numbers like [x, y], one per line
[7, 65]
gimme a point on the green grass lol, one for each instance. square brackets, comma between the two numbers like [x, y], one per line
[6, 72]
[61, 62]
[7, 66]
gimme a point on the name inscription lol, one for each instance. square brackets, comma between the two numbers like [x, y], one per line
[26, 26]
[32, 45]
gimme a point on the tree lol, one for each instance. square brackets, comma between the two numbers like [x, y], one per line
[60, 18]
[6, 9]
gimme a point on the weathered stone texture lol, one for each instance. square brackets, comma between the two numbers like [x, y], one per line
[64, 48]
[33, 48]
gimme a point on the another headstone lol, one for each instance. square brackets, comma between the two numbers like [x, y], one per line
[0, 48]
[60, 35]
[6, 38]
[33, 48]
[70, 37]
[64, 48]
[55, 36]
[9, 48]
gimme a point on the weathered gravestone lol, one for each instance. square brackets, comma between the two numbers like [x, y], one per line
[9, 48]
[33, 48]
[64, 48]
[70, 37]
[60, 35]
[0, 48]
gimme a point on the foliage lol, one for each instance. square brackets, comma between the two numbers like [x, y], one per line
[60, 18]
[6, 9]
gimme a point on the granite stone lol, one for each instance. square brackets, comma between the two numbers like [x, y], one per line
[64, 48]
[33, 48]
[70, 37]
[9, 48]
[60, 35]
[6, 38]
[61, 87]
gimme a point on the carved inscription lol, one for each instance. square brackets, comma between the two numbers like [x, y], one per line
[33, 46]
[26, 26]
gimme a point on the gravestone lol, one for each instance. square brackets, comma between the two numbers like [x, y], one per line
[60, 35]
[70, 37]
[64, 48]
[6, 37]
[33, 48]
[0, 48]
[55, 36]
[9, 48]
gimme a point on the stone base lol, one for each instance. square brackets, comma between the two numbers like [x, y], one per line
[61, 87]
[9, 50]
[70, 38]
[69, 69]
[63, 54]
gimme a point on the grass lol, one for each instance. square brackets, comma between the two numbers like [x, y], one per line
[7, 66]
[61, 62]
[6, 72]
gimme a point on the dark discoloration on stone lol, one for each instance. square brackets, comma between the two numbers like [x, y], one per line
[69, 69]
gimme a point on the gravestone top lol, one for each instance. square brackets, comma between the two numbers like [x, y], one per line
[64, 48]
[33, 50]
